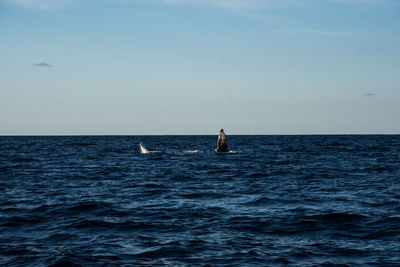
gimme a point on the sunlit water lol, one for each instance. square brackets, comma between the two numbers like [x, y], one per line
[278, 200]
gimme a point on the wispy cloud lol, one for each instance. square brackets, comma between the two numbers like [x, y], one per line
[225, 4]
[266, 4]
[235, 4]
[42, 64]
[321, 32]
[369, 94]
[368, 2]
[41, 4]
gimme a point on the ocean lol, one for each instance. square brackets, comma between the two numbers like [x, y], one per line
[329, 200]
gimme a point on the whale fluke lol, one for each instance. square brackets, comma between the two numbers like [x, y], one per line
[222, 144]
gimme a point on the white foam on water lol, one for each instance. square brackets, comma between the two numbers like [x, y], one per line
[192, 151]
[228, 152]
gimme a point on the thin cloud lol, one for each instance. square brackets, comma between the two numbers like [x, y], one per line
[267, 4]
[43, 65]
[234, 4]
[369, 94]
[331, 33]
[321, 32]
[41, 4]
[225, 4]
[367, 2]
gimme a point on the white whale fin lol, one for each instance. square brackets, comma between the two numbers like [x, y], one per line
[143, 150]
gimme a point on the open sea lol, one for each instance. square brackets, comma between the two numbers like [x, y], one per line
[331, 200]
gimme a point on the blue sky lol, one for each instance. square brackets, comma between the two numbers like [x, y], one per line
[195, 66]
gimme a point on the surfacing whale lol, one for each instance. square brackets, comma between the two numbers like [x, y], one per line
[222, 144]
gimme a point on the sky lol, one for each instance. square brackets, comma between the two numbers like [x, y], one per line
[155, 67]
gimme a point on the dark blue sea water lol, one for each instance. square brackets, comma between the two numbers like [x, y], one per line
[280, 200]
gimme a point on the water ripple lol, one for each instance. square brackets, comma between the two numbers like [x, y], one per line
[277, 201]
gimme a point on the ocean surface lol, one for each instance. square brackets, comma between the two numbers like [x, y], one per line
[272, 201]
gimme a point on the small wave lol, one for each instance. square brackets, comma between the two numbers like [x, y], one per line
[259, 201]
[337, 217]
[80, 144]
[63, 259]
[156, 158]
[335, 144]
[23, 159]
[120, 225]
[256, 174]
[21, 220]
[159, 252]
[88, 206]
[251, 224]
[204, 195]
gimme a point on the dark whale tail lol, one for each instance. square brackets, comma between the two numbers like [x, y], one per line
[222, 144]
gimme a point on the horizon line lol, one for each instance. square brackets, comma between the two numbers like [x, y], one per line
[255, 134]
